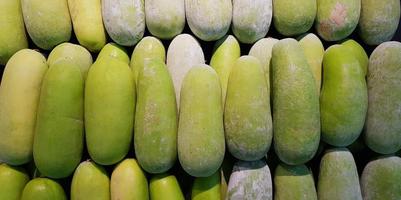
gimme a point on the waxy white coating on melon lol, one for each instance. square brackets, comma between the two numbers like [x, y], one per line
[183, 53]
[251, 19]
[165, 18]
[250, 181]
[209, 19]
[124, 20]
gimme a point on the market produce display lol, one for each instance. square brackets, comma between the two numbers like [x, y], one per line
[201, 100]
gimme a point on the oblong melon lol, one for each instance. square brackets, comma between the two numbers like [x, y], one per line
[13, 37]
[207, 187]
[338, 176]
[72, 53]
[381, 179]
[247, 116]
[114, 51]
[124, 20]
[165, 18]
[155, 137]
[109, 110]
[249, 181]
[90, 181]
[47, 22]
[148, 48]
[183, 53]
[165, 186]
[294, 182]
[59, 133]
[86, 17]
[337, 19]
[128, 181]
[379, 20]
[359, 53]
[12, 181]
[383, 121]
[19, 98]
[344, 97]
[201, 143]
[209, 19]
[251, 19]
[43, 188]
[295, 104]
[223, 58]
[293, 17]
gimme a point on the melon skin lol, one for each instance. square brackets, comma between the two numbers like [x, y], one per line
[14, 38]
[47, 22]
[379, 20]
[383, 122]
[165, 186]
[381, 179]
[43, 188]
[12, 181]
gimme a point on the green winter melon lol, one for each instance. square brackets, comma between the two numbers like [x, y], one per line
[12, 181]
[19, 98]
[359, 53]
[164, 186]
[43, 188]
[295, 104]
[201, 145]
[115, 51]
[207, 188]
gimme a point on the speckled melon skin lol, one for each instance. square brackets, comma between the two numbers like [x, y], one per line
[201, 144]
[47, 22]
[250, 181]
[338, 176]
[359, 53]
[251, 19]
[295, 104]
[383, 121]
[165, 18]
[294, 182]
[209, 20]
[337, 19]
[381, 179]
[379, 20]
[124, 20]
[293, 17]
[247, 117]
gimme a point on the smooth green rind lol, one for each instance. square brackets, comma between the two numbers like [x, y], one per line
[293, 17]
[251, 19]
[183, 53]
[90, 181]
[209, 20]
[207, 188]
[128, 182]
[86, 17]
[124, 20]
[149, 47]
[73, 53]
[294, 182]
[12, 181]
[314, 52]
[295, 104]
[381, 179]
[114, 51]
[223, 59]
[201, 144]
[247, 116]
[109, 110]
[359, 53]
[59, 133]
[164, 186]
[13, 37]
[43, 189]
[47, 22]
[383, 121]
[165, 18]
[19, 98]
[250, 181]
[262, 50]
[338, 176]
[155, 137]
[379, 20]
[344, 97]
[337, 19]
